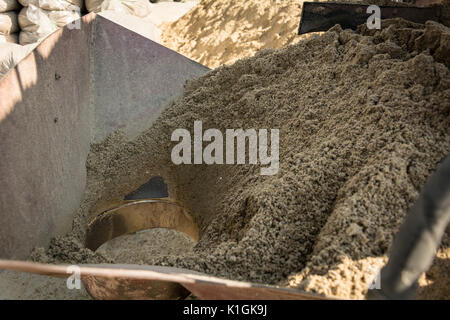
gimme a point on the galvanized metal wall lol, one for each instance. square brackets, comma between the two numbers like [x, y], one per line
[76, 87]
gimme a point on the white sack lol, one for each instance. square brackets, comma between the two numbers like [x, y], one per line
[11, 38]
[11, 54]
[9, 5]
[52, 4]
[33, 19]
[35, 25]
[139, 8]
[8, 22]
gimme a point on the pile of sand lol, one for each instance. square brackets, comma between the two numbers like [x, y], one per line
[220, 32]
[215, 33]
[136, 248]
[364, 119]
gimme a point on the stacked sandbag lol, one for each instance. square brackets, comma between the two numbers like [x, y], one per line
[39, 18]
[53, 5]
[9, 38]
[8, 20]
[11, 54]
[138, 8]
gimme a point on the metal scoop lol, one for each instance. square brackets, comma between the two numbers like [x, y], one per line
[112, 281]
[129, 217]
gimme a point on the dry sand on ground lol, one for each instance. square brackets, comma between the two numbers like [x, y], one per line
[220, 32]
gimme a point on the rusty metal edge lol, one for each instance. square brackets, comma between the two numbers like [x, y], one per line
[201, 285]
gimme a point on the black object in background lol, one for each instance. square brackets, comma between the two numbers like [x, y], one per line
[153, 188]
[419, 237]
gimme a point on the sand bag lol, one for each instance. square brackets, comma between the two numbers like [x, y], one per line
[26, 37]
[33, 19]
[9, 5]
[62, 18]
[35, 25]
[9, 38]
[139, 8]
[8, 22]
[7, 61]
[10, 55]
[52, 4]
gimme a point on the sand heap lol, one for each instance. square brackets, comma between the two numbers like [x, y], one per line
[220, 32]
[364, 119]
